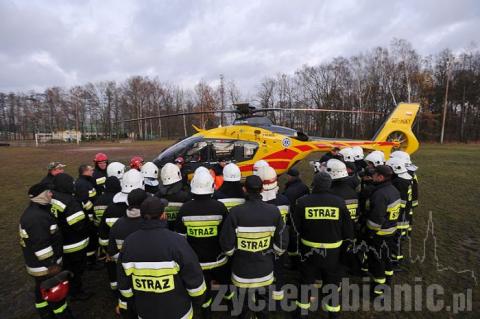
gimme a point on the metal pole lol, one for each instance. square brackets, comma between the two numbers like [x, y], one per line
[444, 116]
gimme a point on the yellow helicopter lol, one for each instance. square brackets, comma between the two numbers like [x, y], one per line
[252, 138]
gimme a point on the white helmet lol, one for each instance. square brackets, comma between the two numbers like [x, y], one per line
[269, 177]
[170, 174]
[336, 169]
[347, 154]
[358, 153]
[406, 158]
[376, 157]
[258, 165]
[398, 167]
[149, 170]
[116, 169]
[202, 184]
[131, 180]
[201, 169]
[231, 173]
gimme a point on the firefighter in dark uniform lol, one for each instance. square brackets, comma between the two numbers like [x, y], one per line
[121, 229]
[295, 187]
[158, 271]
[231, 192]
[172, 191]
[54, 168]
[270, 195]
[252, 232]
[86, 194]
[150, 175]
[333, 153]
[381, 225]
[359, 156]
[74, 224]
[403, 183]
[41, 243]
[99, 176]
[112, 187]
[200, 221]
[411, 168]
[325, 230]
[131, 180]
[342, 187]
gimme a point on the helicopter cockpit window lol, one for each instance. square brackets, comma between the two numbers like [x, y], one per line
[244, 151]
[198, 152]
[223, 150]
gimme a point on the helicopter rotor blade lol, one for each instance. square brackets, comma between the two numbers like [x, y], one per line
[174, 115]
[316, 110]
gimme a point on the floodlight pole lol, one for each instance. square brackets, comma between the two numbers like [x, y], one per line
[444, 116]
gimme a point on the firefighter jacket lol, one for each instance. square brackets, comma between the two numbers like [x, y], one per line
[121, 229]
[161, 271]
[342, 188]
[200, 221]
[151, 189]
[384, 210]
[40, 239]
[252, 232]
[99, 178]
[112, 186]
[404, 187]
[283, 204]
[176, 196]
[231, 194]
[114, 212]
[86, 194]
[295, 189]
[71, 219]
[323, 221]
[48, 179]
[414, 189]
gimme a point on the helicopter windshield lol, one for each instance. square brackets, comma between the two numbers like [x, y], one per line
[178, 149]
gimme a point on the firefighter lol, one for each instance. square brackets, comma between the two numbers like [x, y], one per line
[150, 175]
[172, 191]
[157, 269]
[74, 225]
[200, 221]
[333, 153]
[116, 169]
[258, 164]
[41, 243]
[381, 225]
[411, 168]
[112, 187]
[270, 195]
[231, 192]
[123, 227]
[342, 187]
[347, 155]
[100, 162]
[294, 188]
[251, 233]
[136, 162]
[403, 183]
[325, 229]
[132, 179]
[359, 158]
[372, 160]
[375, 159]
[54, 168]
[86, 194]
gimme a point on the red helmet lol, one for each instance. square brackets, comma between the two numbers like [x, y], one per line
[56, 288]
[136, 161]
[100, 157]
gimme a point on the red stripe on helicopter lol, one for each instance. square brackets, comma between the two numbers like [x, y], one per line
[304, 148]
[283, 154]
[273, 164]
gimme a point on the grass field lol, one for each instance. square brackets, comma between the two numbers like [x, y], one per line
[449, 178]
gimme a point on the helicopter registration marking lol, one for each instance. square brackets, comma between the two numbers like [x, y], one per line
[286, 142]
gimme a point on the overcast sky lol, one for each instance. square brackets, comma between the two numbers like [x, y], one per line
[63, 43]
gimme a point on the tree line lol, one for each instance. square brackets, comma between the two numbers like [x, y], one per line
[373, 81]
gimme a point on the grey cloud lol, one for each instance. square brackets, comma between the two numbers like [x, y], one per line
[44, 43]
